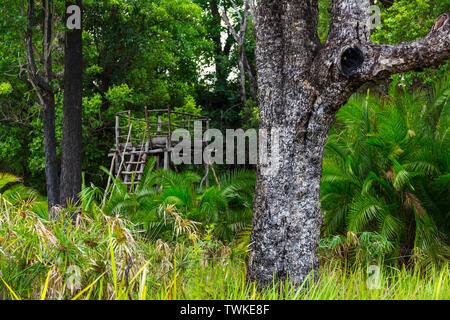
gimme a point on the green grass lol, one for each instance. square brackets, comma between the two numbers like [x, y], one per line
[228, 282]
[40, 259]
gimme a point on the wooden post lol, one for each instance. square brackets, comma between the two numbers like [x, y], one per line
[116, 162]
[207, 160]
[158, 133]
[129, 124]
[168, 141]
[147, 127]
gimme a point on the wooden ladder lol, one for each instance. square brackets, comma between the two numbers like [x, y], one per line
[135, 161]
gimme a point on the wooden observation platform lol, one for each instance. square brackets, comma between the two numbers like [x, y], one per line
[138, 139]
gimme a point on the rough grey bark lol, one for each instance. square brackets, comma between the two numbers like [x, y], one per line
[302, 84]
[41, 81]
[71, 158]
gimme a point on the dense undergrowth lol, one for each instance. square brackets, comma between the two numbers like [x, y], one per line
[386, 176]
[385, 197]
[101, 257]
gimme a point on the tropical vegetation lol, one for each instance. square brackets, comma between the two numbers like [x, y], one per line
[385, 189]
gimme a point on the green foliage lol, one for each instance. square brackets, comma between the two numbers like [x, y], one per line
[164, 200]
[408, 20]
[190, 106]
[119, 97]
[5, 88]
[324, 19]
[385, 166]
[352, 250]
[6, 178]
[14, 193]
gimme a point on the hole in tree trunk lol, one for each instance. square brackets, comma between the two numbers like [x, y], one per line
[351, 60]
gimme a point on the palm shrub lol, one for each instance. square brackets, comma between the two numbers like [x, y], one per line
[226, 206]
[13, 192]
[386, 171]
[163, 201]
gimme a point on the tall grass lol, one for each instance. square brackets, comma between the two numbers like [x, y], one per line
[102, 257]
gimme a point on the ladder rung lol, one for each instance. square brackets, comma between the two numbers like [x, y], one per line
[131, 172]
[144, 152]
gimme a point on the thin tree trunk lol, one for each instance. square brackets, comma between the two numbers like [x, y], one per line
[219, 55]
[242, 54]
[71, 162]
[50, 143]
[242, 76]
[302, 84]
[251, 79]
[45, 93]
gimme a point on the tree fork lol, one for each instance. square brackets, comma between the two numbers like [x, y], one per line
[302, 85]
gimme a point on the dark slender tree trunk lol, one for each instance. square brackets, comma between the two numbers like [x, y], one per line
[50, 143]
[302, 84]
[41, 81]
[71, 161]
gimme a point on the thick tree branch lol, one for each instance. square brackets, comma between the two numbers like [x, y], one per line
[350, 59]
[417, 55]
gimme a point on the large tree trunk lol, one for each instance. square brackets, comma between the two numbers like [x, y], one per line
[287, 217]
[302, 84]
[71, 162]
